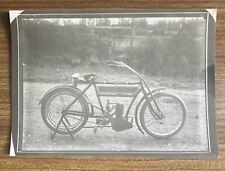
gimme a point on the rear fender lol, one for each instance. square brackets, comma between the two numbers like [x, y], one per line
[62, 86]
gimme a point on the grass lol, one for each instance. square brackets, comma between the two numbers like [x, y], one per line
[63, 75]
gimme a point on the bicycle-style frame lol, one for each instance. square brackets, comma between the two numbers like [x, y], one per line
[98, 95]
[142, 86]
[95, 84]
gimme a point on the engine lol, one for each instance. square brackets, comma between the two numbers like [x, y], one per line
[118, 122]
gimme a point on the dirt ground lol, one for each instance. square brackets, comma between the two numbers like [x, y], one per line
[37, 136]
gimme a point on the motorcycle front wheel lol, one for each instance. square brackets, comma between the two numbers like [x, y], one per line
[168, 121]
[55, 103]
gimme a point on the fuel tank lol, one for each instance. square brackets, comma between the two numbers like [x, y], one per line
[117, 89]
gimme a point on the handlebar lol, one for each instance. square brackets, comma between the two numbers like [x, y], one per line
[122, 64]
[116, 63]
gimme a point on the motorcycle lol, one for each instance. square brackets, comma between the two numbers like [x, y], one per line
[66, 109]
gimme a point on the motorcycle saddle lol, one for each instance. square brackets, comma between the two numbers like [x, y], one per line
[84, 77]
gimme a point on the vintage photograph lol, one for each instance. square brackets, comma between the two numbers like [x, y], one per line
[112, 83]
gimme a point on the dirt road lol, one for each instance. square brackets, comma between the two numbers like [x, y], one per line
[36, 135]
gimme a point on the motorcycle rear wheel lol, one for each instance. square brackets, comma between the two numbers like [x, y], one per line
[53, 105]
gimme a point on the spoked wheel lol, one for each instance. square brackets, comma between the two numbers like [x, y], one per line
[167, 122]
[53, 107]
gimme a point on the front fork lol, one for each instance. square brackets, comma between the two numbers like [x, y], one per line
[157, 113]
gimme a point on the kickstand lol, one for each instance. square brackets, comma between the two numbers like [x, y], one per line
[57, 127]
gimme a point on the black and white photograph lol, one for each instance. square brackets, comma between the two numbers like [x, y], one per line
[113, 82]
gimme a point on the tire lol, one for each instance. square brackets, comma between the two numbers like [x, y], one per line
[54, 102]
[172, 108]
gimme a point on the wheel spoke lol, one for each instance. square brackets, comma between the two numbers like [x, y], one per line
[55, 106]
[173, 115]
[67, 120]
[72, 112]
[153, 122]
[62, 102]
[74, 118]
[74, 124]
[149, 120]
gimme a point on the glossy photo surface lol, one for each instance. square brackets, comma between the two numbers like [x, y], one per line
[112, 83]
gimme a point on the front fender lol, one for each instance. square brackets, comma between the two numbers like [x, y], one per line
[61, 86]
[139, 104]
[152, 92]
[157, 90]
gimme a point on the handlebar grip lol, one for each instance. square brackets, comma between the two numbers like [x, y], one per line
[114, 63]
[110, 62]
